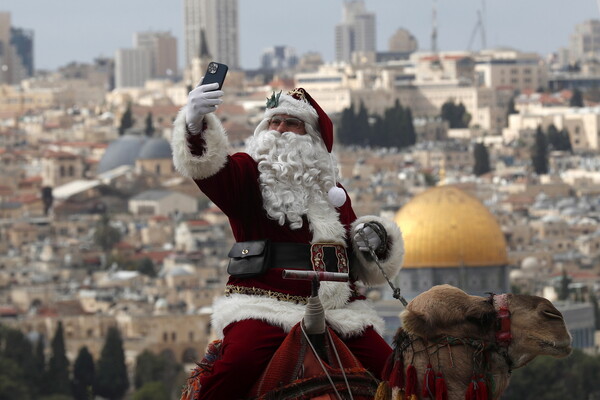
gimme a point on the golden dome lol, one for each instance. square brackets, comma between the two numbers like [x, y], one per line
[447, 227]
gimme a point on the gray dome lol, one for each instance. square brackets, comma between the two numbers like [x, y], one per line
[155, 148]
[123, 151]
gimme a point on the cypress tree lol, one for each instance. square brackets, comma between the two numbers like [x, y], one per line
[510, 109]
[111, 380]
[83, 375]
[57, 380]
[149, 129]
[362, 125]
[347, 129]
[127, 120]
[539, 152]
[482, 160]
[576, 99]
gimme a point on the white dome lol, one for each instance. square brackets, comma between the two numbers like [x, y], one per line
[530, 264]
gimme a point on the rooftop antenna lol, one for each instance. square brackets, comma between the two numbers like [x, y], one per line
[434, 48]
[479, 26]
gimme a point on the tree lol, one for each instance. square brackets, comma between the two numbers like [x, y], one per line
[362, 125]
[151, 367]
[106, 236]
[563, 290]
[576, 99]
[573, 377]
[146, 266]
[149, 129]
[456, 115]
[510, 109]
[110, 380]
[539, 152]
[17, 363]
[57, 373]
[127, 120]
[347, 132]
[152, 391]
[482, 160]
[83, 375]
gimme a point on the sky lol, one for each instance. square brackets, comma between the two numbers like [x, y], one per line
[81, 30]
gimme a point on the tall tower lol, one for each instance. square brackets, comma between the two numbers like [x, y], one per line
[219, 21]
[163, 46]
[356, 32]
[16, 51]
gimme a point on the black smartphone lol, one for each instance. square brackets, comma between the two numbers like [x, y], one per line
[215, 72]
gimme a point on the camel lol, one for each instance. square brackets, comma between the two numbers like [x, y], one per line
[465, 347]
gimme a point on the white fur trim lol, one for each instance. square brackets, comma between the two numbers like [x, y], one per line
[349, 321]
[215, 154]
[295, 108]
[369, 272]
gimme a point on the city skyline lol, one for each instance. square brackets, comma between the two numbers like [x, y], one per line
[80, 32]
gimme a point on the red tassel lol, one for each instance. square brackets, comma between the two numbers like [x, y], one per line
[428, 390]
[387, 368]
[411, 381]
[471, 393]
[397, 374]
[441, 390]
[482, 392]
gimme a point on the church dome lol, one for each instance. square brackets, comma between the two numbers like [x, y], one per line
[122, 151]
[155, 148]
[447, 227]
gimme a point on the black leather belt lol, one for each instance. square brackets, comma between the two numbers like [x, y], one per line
[319, 256]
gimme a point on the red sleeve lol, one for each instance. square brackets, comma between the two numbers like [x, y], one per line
[234, 189]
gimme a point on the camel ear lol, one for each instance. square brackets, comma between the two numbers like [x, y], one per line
[415, 323]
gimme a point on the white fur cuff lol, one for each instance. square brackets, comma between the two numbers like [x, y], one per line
[368, 272]
[215, 153]
[348, 321]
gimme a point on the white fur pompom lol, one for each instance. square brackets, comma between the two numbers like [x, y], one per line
[336, 196]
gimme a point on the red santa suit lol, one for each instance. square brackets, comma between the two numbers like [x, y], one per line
[256, 313]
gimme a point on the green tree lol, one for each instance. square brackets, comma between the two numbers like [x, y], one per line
[16, 362]
[346, 132]
[57, 373]
[573, 377]
[576, 98]
[152, 391]
[410, 135]
[362, 127]
[146, 266]
[106, 236]
[455, 114]
[539, 152]
[482, 160]
[13, 384]
[510, 109]
[151, 367]
[563, 289]
[83, 375]
[110, 379]
[149, 125]
[127, 120]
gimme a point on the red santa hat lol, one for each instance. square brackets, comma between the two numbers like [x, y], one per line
[298, 103]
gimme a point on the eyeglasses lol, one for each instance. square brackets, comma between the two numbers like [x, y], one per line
[289, 122]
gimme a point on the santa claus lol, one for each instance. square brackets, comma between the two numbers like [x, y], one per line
[282, 197]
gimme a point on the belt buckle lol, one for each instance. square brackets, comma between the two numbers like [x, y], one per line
[317, 257]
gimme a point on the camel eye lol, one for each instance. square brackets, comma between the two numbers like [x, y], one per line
[552, 314]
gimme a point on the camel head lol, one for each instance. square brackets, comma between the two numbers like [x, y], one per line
[536, 326]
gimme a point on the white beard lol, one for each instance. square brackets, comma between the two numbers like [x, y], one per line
[295, 173]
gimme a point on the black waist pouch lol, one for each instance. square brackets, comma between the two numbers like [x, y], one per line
[249, 259]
